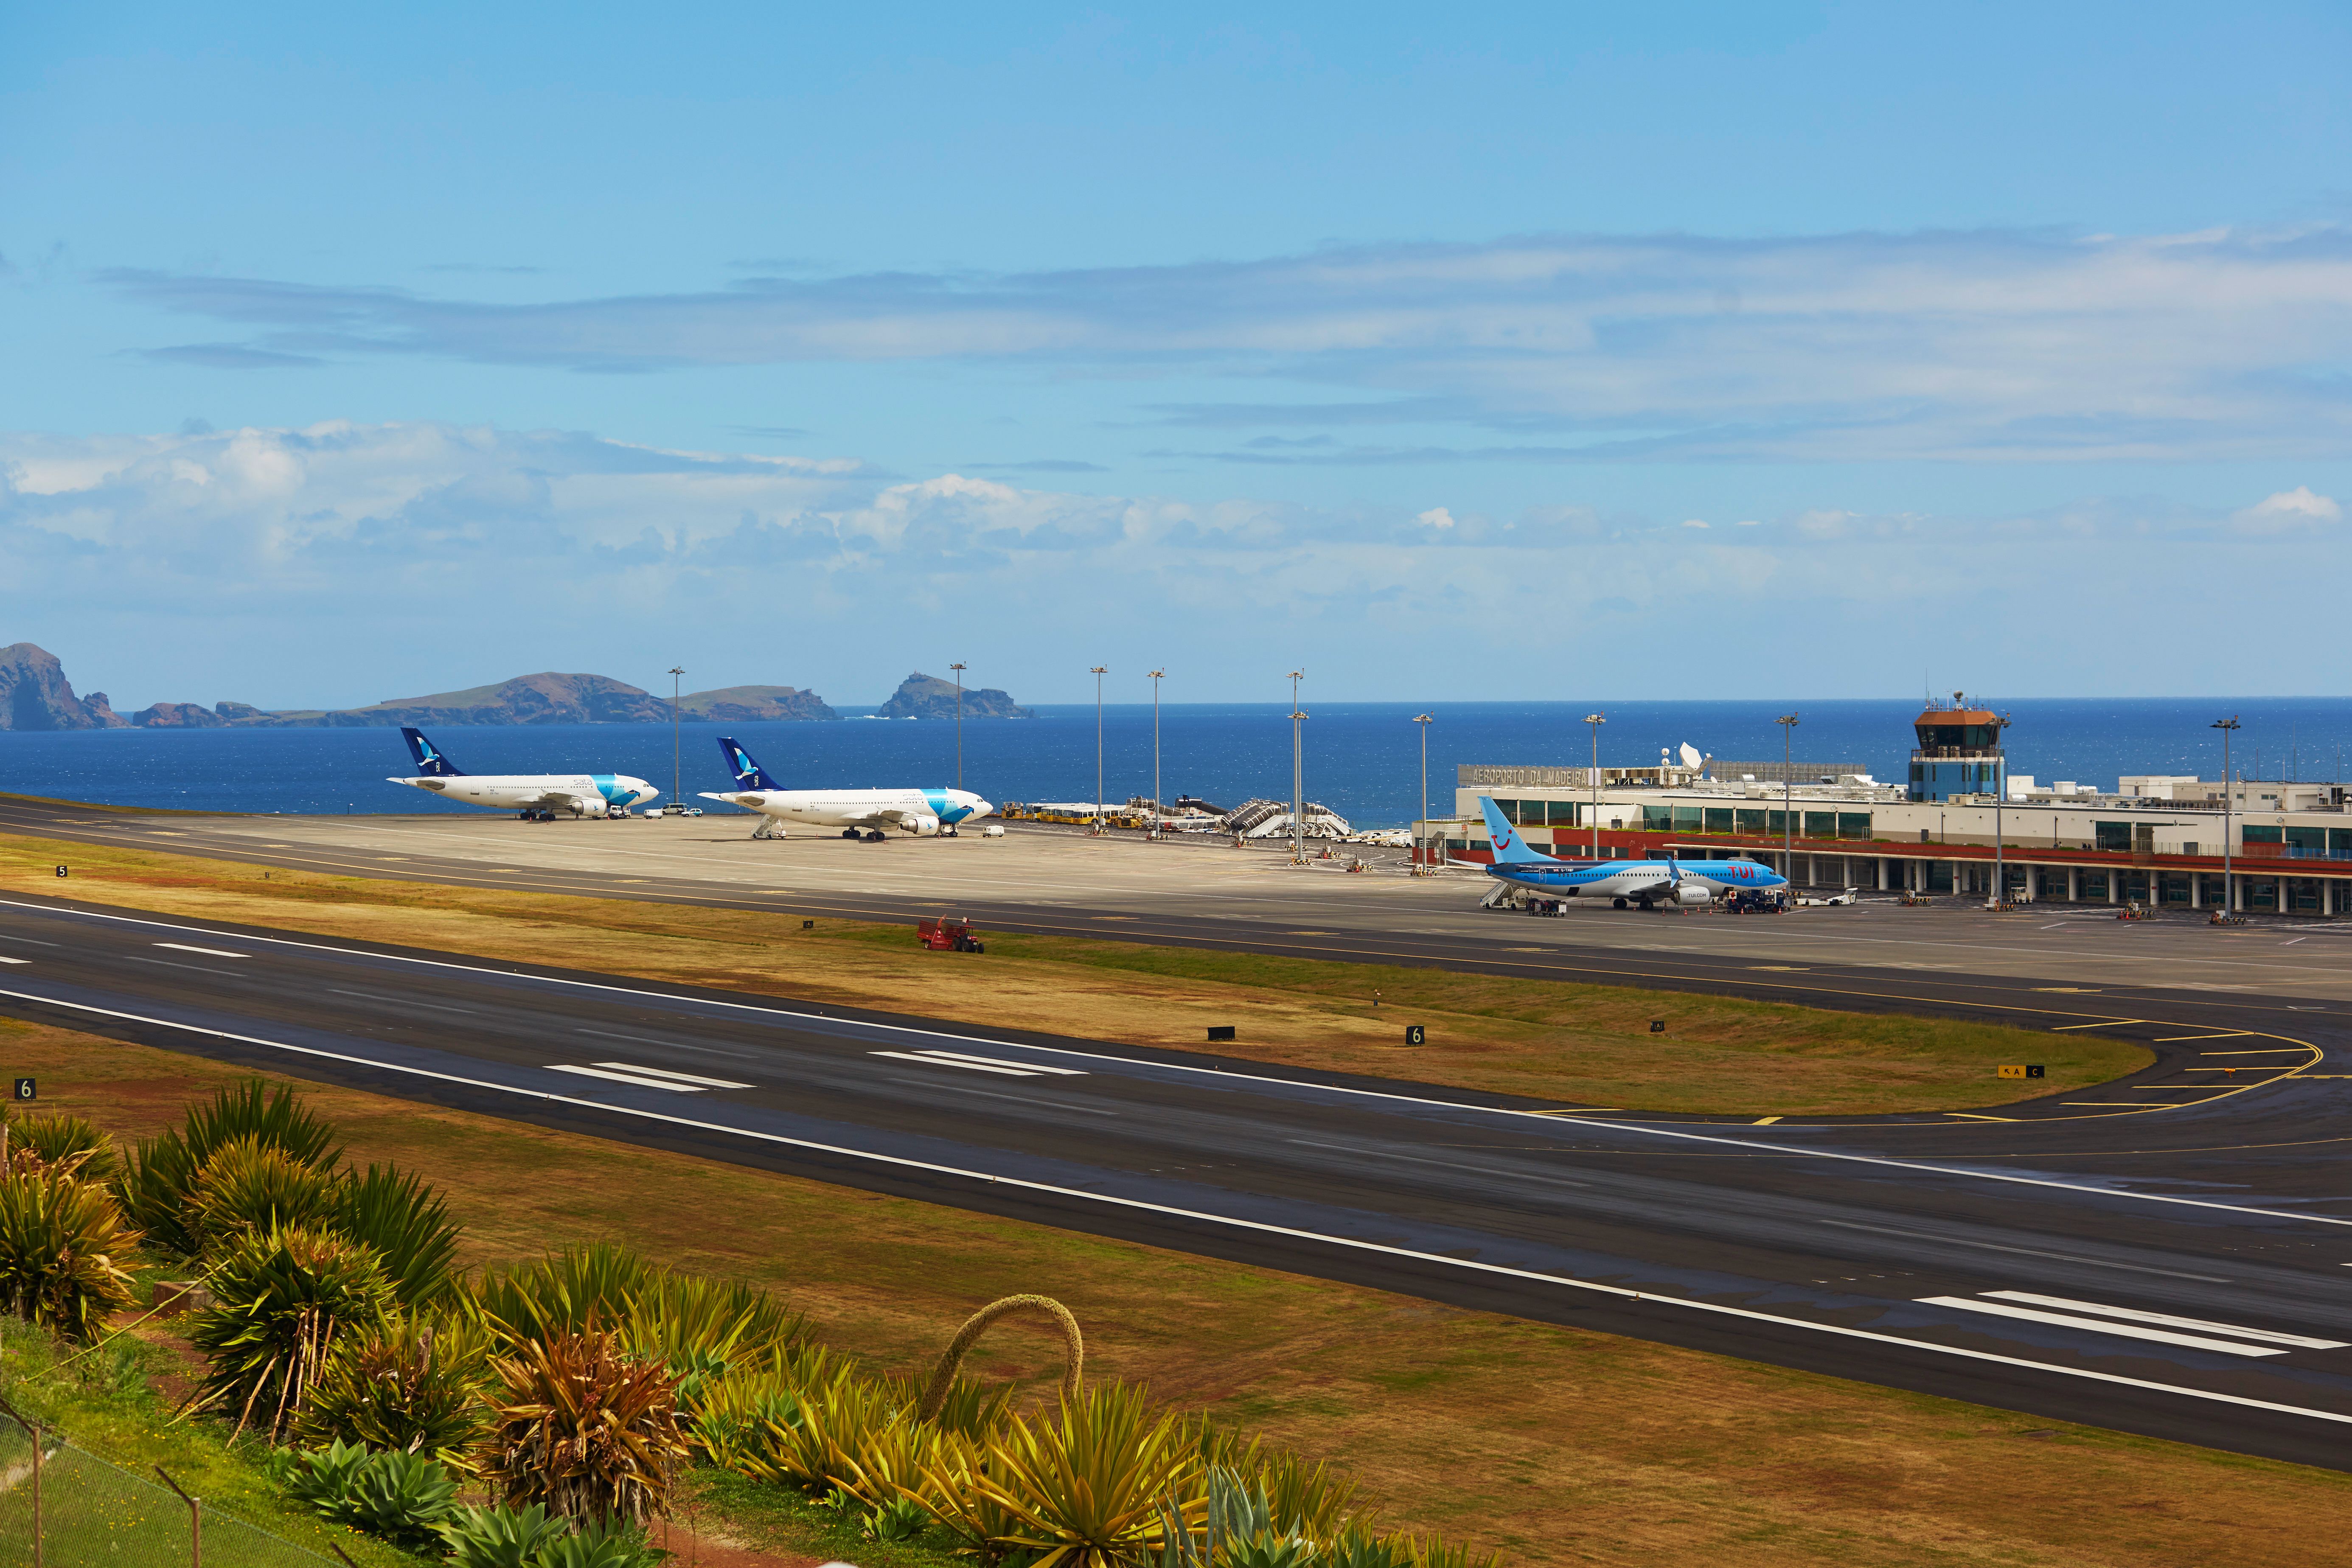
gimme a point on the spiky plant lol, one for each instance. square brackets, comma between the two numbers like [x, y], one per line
[161, 1176]
[60, 1241]
[286, 1302]
[1088, 1484]
[412, 1385]
[500, 1537]
[578, 1424]
[570, 1292]
[705, 1328]
[250, 1184]
[408, 1225]
[69, 1144]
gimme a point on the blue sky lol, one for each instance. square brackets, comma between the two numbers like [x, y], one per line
[1717, 351]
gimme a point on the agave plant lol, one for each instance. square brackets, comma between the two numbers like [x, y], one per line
[285, 1302]
[249, 1184]
[744, 1421]
[71, 1144]
[397, 1497]
[59, 1239]
[408, 1225]
[412, 1385]
[163, 1172]
[500, 1537]
[580, 1426]
[1089, 1485]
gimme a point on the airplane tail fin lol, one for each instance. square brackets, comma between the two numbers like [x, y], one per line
[1509, 847]
[749, 774]
[430, 762]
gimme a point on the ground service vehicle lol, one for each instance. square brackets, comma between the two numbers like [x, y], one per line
[948, 936]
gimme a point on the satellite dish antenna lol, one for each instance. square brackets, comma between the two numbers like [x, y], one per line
[1691, 758]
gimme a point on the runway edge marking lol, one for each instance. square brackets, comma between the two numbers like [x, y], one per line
[1641, 1129]
[1230, 1222]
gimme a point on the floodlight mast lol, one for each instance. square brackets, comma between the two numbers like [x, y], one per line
[676, 767]
[1159, 811]
[1423, 721]
[1596, 720]
[959, 668]
[1297, 770]
[1097, 671]
[1788, 723]
[2228, 727]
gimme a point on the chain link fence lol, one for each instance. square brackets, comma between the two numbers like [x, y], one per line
[63, 1506]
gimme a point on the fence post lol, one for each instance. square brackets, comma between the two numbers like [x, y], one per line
[195, 1521]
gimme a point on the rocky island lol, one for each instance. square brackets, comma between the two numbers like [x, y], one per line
[921, 696]
[35, 695]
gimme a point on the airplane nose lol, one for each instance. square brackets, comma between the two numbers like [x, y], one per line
[983, 808]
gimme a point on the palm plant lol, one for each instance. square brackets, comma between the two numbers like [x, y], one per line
[580, 1426]
[162, 1173]
[408, 1225]
[250, 1184]
[285, 1302]
[414, 1386]
[59, 1239]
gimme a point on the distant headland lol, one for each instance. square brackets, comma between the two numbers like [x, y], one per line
[35, 695]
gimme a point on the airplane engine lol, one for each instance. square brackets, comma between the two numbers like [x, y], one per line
[924, 825]
[1694, 893]
[587, 808]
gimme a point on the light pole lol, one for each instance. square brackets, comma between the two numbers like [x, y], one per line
[2228, 727]
[1297, 766]
[677, 741]
[1788, 723]
[1096, 670]
[959, 668]
[1425, 720]
[1596, 720]
[1159, 811]
[1999, 795]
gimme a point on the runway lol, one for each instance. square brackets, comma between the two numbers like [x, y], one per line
[2176, 1260]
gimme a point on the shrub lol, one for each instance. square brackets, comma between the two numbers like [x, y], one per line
[577, 1291]
[69, 1144]
[161, 1176]
[249, 1184]
[612, 1543]
[499, 1537]
[59, 1239]
[284, 1304]
[703, 1329]
[408, 1223]
[412, 1385]
[901, 1518]
[400, 1498]
[1088, 1485]
[582, 1428]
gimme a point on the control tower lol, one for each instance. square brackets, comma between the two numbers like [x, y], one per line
[1959, 752]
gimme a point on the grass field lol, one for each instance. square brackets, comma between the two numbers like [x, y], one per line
[1556, 1040]
[1556, 1445]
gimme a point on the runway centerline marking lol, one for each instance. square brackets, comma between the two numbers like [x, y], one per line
[1006, 1069]
[1232, 1222]
[2026, 1251]
[207, 952]
[1634, 1129]
[404, 1002]
[5, 959]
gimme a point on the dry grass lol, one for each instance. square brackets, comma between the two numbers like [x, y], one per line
[1556, 1445]
[1579, 1044]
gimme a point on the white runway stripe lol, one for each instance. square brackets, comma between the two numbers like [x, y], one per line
[680, 1077]
[2166, 1320]
[952, 1062]
[208, 952]
[627, 1078]
[1001, 1062]
[6, 959]
[2193, 1342]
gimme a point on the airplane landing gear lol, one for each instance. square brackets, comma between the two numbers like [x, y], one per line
[1645, 903]
[877, 836]
[1619, 903]
[849, 833]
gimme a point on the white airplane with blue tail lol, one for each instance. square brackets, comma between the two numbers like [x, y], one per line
[1622, 882]
[863, 814]
[538, 796]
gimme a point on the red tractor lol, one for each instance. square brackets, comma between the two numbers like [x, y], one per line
[948, 936]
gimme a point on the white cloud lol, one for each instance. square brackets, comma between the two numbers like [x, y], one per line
[1694, 523]
[2296, 510]
[344, 562]
[2011, 345]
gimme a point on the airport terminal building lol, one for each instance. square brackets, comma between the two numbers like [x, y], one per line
[2157, 840]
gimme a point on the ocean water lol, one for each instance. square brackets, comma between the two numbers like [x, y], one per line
[1362, 759]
